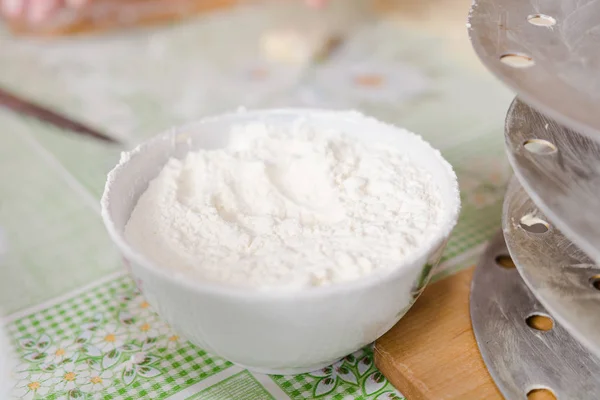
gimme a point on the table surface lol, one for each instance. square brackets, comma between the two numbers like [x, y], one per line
[61, 275]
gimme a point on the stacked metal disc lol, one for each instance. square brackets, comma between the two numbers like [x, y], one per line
[538, 325]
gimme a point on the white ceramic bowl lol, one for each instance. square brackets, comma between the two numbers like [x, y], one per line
[276, 331]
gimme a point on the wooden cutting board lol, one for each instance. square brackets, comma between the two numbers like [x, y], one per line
[431, 353]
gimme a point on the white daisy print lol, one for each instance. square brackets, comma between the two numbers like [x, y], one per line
[173, 341]
[149, 332]
[30, 386]
[59, 352]
[170, 340]
[139, 364]
[139, 307]
[65, 377]
[108, 338]
[373, 82]
[92, 381]
[133, 360]
[259, 80]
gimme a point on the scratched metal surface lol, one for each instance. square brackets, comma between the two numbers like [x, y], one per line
[565, 185]
[564, 82]
[556, 271]
[518, 357]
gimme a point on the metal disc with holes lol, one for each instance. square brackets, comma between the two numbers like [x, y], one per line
[560, 170]
[510, 327]
[558, 273]
[548, 52]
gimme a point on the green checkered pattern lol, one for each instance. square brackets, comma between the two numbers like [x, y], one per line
[180, 364]
[483, 172]
[188, 365]
[242, 385]
[62, 320]
[361, 380]
[117, 307]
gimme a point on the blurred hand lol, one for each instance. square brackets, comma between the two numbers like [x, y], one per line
[37, 11]
[316, 3]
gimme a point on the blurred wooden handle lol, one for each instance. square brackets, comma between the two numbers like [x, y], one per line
[106, 15]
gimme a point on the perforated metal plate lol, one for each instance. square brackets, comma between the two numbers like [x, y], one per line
[518, 357]
[561, 175]
[558, 273]
[556, 67]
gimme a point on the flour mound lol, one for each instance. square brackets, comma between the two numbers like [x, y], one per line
[286, 208]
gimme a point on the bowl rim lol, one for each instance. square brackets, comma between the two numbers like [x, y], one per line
[449, 220]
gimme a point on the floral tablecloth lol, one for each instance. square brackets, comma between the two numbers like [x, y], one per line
[106, 342]
[79, 326]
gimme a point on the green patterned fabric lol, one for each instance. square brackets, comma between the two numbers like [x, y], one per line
[106, 342]
[103, 341]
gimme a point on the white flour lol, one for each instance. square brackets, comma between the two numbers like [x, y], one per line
[274, 208]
